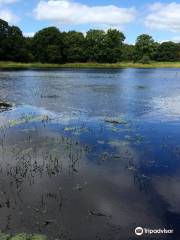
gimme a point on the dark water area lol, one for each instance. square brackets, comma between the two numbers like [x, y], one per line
[90, 154]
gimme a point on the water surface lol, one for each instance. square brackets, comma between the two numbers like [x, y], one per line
[90, 154]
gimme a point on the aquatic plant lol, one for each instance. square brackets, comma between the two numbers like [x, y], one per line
[27, 119]
[22, 236]
[4, 106]
[116, 120]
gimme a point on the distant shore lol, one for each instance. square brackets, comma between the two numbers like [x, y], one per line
[15, 65]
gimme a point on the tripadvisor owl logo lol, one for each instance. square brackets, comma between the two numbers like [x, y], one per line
[139, 231]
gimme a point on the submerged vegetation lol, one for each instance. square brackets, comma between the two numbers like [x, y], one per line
[95, 48]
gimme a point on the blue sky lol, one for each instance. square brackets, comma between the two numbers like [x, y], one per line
[161, 19]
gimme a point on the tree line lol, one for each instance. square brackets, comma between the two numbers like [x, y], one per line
[50, 45]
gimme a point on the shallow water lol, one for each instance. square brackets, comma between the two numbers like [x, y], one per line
[90, 154]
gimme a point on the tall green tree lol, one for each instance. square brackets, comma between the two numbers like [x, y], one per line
[145, 46]
[4, 31]
[95, 44]
[128, 52]
[74, 48]
[104, 47]
[48, 45]
[114, 43]
[12, 43]
[29, 48]
[17, 50]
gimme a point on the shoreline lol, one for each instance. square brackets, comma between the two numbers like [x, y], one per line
[24, 66]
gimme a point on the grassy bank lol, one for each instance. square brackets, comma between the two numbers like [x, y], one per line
[14, 65]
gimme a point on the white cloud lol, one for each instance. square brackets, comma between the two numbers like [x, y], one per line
[8, 16]
[2, 2]
[164, 17]
[71, 12]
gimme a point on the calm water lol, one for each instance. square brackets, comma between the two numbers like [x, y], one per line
[90, 154]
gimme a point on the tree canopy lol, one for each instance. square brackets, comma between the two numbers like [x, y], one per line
[168, 51]
[145, 47]
[50, 45]
[12, 43]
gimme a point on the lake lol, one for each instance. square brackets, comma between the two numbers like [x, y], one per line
[90, 154]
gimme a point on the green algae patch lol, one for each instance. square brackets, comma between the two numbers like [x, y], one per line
[76, 130]
[101, 142]
[38, 237]
[4, 236]
[24, 236]
[118, 143]
[21, 236]
[26, 119]
[70, 129]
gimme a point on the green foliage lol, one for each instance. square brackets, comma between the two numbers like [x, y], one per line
[4, 236]
[145, 60]
[95, 45]
[145, 46]
[21, 236]
[168, 51]
[12, 43]
[4, 32]
[47, 45]
[74, 46]
[128, 52]
[104, 47]
[51, 46]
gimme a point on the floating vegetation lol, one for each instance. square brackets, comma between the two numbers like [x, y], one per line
[98, 213]
[5, 106]
[135, 139]
[76, 130]
[117, 157]
[22, 236]
[27, 119]
[100, 142]
[132, 168]
[49, 96]
[70, 129]
[78, 187]
[118, 120]
[141, 87]
[4, 236]
[105, 156]
[118, 143]
[114, 129]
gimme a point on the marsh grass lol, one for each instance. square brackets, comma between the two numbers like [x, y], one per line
[15, 65]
